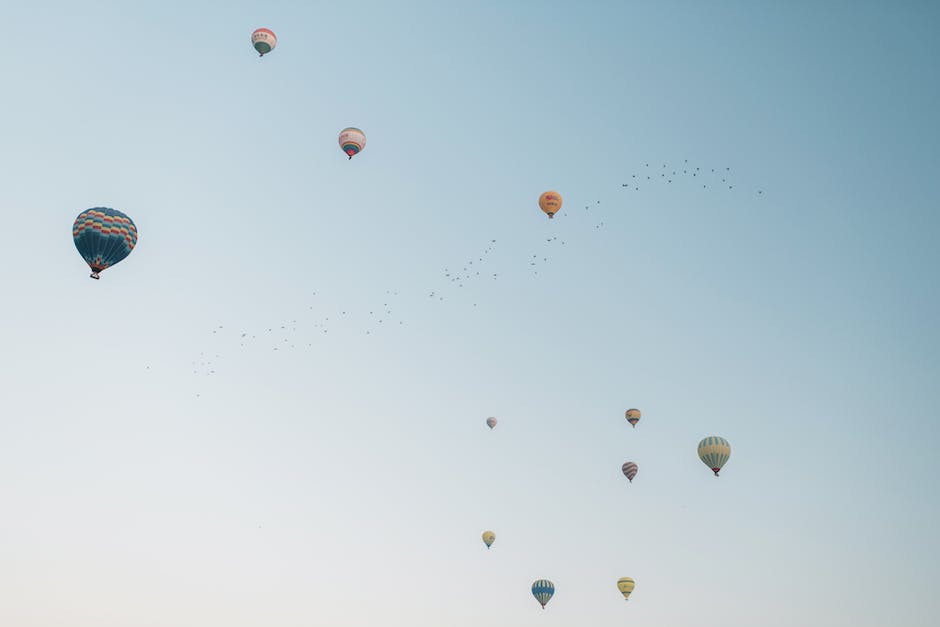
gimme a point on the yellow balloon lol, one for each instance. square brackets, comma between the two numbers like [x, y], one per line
[625, 585]
[488, 538]
[550, 203]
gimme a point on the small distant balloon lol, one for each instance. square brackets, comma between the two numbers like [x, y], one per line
[714, 452]
[264, 41]
[629, 470]
[352, 141]
[633, 416]
[543, 590]
[488, 538]
[626, 585]
[491, 422]
[103, 237]
[550, 203]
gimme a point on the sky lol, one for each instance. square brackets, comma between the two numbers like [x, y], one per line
[158, 468]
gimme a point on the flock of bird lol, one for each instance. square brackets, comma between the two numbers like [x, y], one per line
[105, 236]
[385, 310]
[718, 178]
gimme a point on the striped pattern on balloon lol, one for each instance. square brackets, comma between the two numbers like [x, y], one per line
[103, 237]
[629, 470]
[714, 452]
[626, 585]
[543, 590]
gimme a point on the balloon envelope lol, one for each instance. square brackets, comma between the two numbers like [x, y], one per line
[550, 203]
[264, 40]
[714, 452]
[629, 470]
[352, 141]
[626, 585]
[491, 422]
[542, 590]
[488, 538]
[632, 416]
[103, 237]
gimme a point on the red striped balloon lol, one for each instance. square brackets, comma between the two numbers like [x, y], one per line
[629, 470]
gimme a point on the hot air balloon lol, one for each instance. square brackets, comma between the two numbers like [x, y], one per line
[264, 40]
[491, 422]
[629, 470]
[488, 538]
[626, 585]
[633, 416]
[352, 141]
[714, 452]
[542, 590]
[550, 203]
[103, 237]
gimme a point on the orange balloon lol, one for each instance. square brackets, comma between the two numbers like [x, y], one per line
[550, 203]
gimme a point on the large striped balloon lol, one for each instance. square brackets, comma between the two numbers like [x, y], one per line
[632, 416]
[103, 237]
[714, 452]
[629, 470]
[264, 40]
[626, 585]
[352, 141]
[542, 590]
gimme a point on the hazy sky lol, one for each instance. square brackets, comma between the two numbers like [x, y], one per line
[158, 474]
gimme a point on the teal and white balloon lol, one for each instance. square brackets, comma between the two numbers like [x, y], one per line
[543, 590]
[714, 452]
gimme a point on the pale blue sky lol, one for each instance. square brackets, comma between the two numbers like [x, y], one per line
[347, 481]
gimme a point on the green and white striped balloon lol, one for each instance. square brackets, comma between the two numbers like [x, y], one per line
[714, 452]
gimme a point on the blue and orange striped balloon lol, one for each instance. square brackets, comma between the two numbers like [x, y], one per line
[103, 237]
